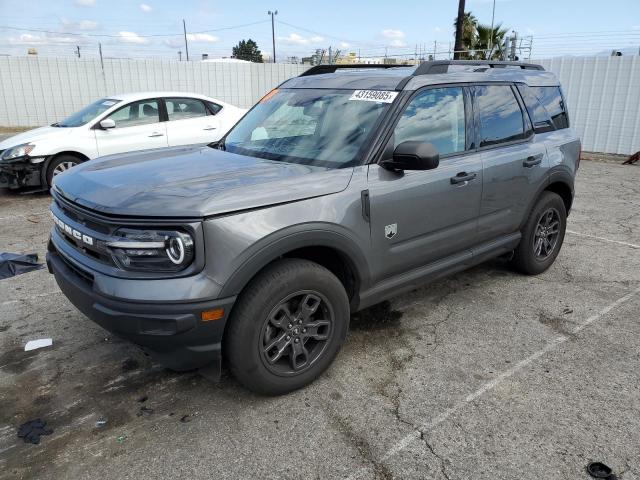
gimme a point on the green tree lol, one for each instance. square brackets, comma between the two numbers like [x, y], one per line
[247, 50]
[469, 24]
[481, 44]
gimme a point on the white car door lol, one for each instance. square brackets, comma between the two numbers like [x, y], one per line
[138, 127]
[190, 122]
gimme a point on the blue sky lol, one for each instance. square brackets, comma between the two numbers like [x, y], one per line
[370, 27]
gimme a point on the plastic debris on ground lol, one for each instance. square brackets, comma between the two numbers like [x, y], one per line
[40, 343]
[600, 470]
[31, 431]
[101, 423]
[12, 264]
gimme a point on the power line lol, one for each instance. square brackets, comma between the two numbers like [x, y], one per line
[84, 34]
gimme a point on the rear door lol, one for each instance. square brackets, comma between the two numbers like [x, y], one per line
[190, 122]
[138, 127]
[514, 164]
[418, 217]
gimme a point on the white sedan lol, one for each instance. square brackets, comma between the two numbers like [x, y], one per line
[116, 124]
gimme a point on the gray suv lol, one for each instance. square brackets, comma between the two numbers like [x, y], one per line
[339, 189]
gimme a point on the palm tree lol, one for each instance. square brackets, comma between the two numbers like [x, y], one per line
[484, 33]
[469, 24]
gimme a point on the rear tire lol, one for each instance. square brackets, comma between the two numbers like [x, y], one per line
[292, 300]
[542, 235]
[60, 164]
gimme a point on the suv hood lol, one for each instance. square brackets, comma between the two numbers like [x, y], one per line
[192, 182]
[34, 136]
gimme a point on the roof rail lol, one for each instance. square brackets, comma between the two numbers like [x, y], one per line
[442, 66]
[320, 69]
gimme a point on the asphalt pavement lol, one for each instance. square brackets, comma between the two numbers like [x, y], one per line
[487, 374]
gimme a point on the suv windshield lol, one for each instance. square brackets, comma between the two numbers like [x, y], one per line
[319, 127]
[88, 113]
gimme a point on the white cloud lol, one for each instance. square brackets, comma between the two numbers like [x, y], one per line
[178, 41]
[296, 39]
[395, 37]
[30, 39]
[145, 8]
[132, 37]
[85, 3]
[344, 45]
[72, 26]
[202, 37]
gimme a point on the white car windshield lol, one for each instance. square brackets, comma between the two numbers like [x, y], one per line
[322, 127]
[88, 113]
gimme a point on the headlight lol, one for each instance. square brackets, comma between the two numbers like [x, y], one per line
[18, 151]
[152, 250]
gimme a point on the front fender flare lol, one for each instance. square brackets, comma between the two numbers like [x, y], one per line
[284, 241]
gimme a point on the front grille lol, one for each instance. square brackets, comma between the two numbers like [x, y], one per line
[84, 233]
[84, 275]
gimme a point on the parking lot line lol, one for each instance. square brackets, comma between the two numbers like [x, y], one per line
[420, 431]
[632, 245]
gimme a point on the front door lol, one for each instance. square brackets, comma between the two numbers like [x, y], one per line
[419, 217]
[138, 127]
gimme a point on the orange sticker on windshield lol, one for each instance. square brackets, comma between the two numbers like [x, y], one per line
[268, 96]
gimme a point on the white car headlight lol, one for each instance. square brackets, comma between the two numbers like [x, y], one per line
[18, 151]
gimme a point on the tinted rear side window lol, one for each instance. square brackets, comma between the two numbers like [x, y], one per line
[500, 115]
[539, 116]
[551, 100]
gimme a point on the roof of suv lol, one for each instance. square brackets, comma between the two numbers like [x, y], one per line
[385, 77]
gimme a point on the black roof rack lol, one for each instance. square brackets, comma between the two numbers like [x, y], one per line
[442, 66]
[425, 68]
[320, 69]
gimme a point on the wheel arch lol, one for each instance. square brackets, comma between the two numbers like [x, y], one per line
[338, 253]
[45, 168]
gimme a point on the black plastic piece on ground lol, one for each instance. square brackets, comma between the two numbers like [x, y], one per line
[600, 470]
[12, 264]
[31, 431]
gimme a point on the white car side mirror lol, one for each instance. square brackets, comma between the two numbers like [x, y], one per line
[107, 123]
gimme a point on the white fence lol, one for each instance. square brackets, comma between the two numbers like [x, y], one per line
[603, 93]
[40, 91]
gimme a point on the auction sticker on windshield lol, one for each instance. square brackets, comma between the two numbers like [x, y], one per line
[384, 96]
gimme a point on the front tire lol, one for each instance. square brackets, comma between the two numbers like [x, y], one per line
[542, 235]
[59, 165]
[287, 327]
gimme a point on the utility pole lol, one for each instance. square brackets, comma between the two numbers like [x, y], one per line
[100, 51]
[186, 45]
[78, 50]
[457, 47]
[435, 48]
[493, 15]
[330, 57]
[179, 55]
[273, 33]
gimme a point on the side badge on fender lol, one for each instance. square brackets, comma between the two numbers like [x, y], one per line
[391, 230]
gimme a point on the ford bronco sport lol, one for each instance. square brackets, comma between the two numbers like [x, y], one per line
[337, 190]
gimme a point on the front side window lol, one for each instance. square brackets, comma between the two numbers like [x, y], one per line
[88, 113]
[551, 100]
[137, 113]
[323, 127]
[181, 108]
[434, 116]
[501, 118]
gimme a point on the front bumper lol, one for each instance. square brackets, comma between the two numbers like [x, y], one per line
[20, 174]
[172, 333]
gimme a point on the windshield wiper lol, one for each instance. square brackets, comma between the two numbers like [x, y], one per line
[55, 124]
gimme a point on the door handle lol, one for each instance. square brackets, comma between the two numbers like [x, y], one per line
[156, 134]
[463, 177]
[209, 128]
[532, 161]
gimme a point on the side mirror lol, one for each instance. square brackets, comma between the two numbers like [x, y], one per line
[107, 123]
[412, 155]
